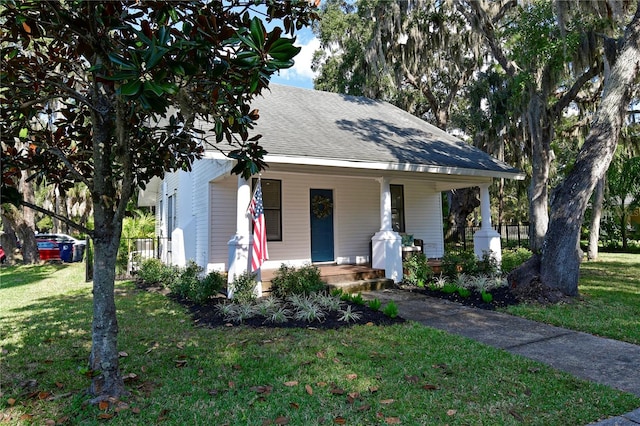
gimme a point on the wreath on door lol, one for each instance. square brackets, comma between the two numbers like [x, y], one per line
[321, 206]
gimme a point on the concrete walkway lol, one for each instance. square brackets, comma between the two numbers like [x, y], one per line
[606, 361]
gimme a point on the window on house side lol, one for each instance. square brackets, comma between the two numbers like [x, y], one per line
[397, 207]
[272, 201]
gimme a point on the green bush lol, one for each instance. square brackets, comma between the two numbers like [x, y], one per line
[208, 286]
[418, 271]
[244, 288]
[375, 304]
[454, 263]
[153, 271]
[511, 259]
[391, 309]
[187, 281]
[488, 265]
[289, 281]
[190, 283]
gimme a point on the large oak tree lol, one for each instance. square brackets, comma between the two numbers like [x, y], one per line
[106, 93]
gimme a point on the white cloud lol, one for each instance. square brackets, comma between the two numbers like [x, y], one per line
[302, 68]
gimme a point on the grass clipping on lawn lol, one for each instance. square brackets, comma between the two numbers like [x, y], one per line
[179, 373]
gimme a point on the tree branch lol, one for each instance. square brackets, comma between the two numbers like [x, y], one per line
[61, 218]
[58, 153]
[572, 93]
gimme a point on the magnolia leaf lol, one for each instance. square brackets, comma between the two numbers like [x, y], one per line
[309, 389]
[291, 383]
[392, 420]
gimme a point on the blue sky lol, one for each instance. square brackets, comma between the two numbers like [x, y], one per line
[300, 74]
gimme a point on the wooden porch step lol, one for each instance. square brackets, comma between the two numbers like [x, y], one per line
[350, 278]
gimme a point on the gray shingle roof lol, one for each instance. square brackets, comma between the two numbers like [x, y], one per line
[299, 122]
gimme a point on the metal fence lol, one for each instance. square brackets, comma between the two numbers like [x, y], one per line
[134, 251]
[511, 236]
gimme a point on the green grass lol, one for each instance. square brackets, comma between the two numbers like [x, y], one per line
[185, 374]
[609, 302]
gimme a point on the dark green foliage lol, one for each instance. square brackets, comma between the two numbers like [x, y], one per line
[487, 265]
[289, 281]
[187, 280]
[391, 309]
[357, 299]
[449, 288]
[208, 286]
[511, 259]
[244, 288]
[463, 292]
[454, 263]
[153, 271]
[417, 271]
[375, 304]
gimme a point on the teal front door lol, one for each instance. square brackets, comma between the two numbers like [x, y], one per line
[321, 201]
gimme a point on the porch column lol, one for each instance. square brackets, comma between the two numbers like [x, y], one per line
[387, 244]
[240, 243]
[486, 239]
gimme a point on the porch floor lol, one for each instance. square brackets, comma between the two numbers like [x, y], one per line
[350, 278]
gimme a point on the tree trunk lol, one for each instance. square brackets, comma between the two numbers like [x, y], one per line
[596, 207]
[540, 133]
[104, 351]
[623, 225]
[109, 200]
[462, 202]
[8, 239]
[561, 256]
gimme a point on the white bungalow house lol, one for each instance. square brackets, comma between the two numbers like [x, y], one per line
[347, 178]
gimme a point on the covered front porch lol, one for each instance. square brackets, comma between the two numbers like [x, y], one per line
[357, 244]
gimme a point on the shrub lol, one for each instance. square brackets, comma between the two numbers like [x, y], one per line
[375, 304]
[511, 259]
[151, 271]
[289, 280]
[207, 287]
[244, 288]
[187, 281]
[488, 265]
[391, 309]
[418, 271]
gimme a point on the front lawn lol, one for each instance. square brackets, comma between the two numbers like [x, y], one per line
[179, 373]
[609, 302]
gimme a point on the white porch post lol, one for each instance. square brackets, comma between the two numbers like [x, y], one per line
[240, 243]
[486, 239]
[386, 244]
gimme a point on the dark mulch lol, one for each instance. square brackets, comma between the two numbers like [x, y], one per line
[206, 315]
[502, 297]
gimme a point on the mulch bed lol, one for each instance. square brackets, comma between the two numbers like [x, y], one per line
[206, 314]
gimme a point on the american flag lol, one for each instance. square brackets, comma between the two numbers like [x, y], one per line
[259, 251]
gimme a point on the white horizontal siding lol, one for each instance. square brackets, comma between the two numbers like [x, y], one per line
[356, 217]
[222, 219]
[423, 216]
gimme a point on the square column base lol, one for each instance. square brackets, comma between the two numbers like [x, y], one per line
[239, 263]
[386, 247]
[487, 241]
